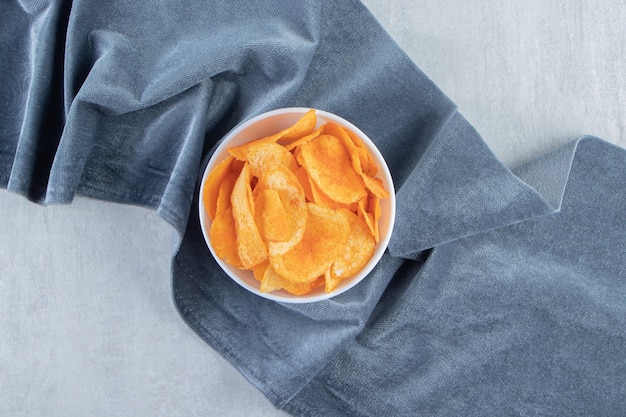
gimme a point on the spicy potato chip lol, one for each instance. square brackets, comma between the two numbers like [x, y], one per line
[212, 186]
[331, 281]
[271, 216]
[356, 150]
[225, 191]
[299, 142]
[375, 185]
[301, 128]
[303, 178]
[324, 238]
[369, 210]
[357, 252]
[224, 237]
[264, 155]
[299, 208]
[272, 281]
[327, 162]
[258, 271]
[250, 246]
[368, 165]
[313, 193]
[287, 208]
[321, 198]
[355, 147]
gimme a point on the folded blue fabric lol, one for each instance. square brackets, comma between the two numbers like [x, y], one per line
[501, 293]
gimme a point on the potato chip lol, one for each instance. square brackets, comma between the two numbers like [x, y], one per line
[259, 270]
[303, 178]
[250, 246]
[357, 159]
[291, 146]
[322, 199]
[272, 218]
[367, 162]
[328, 164]
[273, 282]
[212, 184]
[224, 237]
[298, 288]
[369, 210]
[340, 133]
[375, 185]
[315, 195]
[236, 166]
[325, 235]
[356, 253]
[375, 209]
[319, 197]
[263, 156]
[304, 126]
[226, 189]
[288, 212]
[331, 282]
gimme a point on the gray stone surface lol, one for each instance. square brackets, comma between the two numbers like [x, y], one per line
[528, 75]
[87, 323]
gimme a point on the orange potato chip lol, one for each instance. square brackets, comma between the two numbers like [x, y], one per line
[250, 246]
[369, 210]
[259, 270]
[263, 156]
[375, 185]
[328, 164]
[289, 212]
[331, 282]
[315, 195]
[363, 213]
[272, 282]
[375, 209]
[212, 184]
[367, 162]
[356, 149]
[322, 199]
[305, 139]
[240, 152]
[226, 189]
[236, 166]
[325, 235]
[272, 217]
[224, 237]
[304, 126]
[340, 133]
[356, 253]
[319, 197]
[298, 288]
[303, 178]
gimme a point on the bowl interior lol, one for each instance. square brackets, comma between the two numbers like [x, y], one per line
[270, 123]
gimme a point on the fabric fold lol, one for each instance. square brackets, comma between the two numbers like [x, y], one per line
[94, 85]
[31, 113]
[456, 189]
[523, 319]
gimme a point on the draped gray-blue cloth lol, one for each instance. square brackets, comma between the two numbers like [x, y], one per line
[501, 293]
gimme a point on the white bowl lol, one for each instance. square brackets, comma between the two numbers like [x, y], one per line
[269, 123]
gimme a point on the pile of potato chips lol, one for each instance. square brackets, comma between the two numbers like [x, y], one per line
[299, 208]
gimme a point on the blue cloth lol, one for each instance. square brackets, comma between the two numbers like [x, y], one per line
[501, 293]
